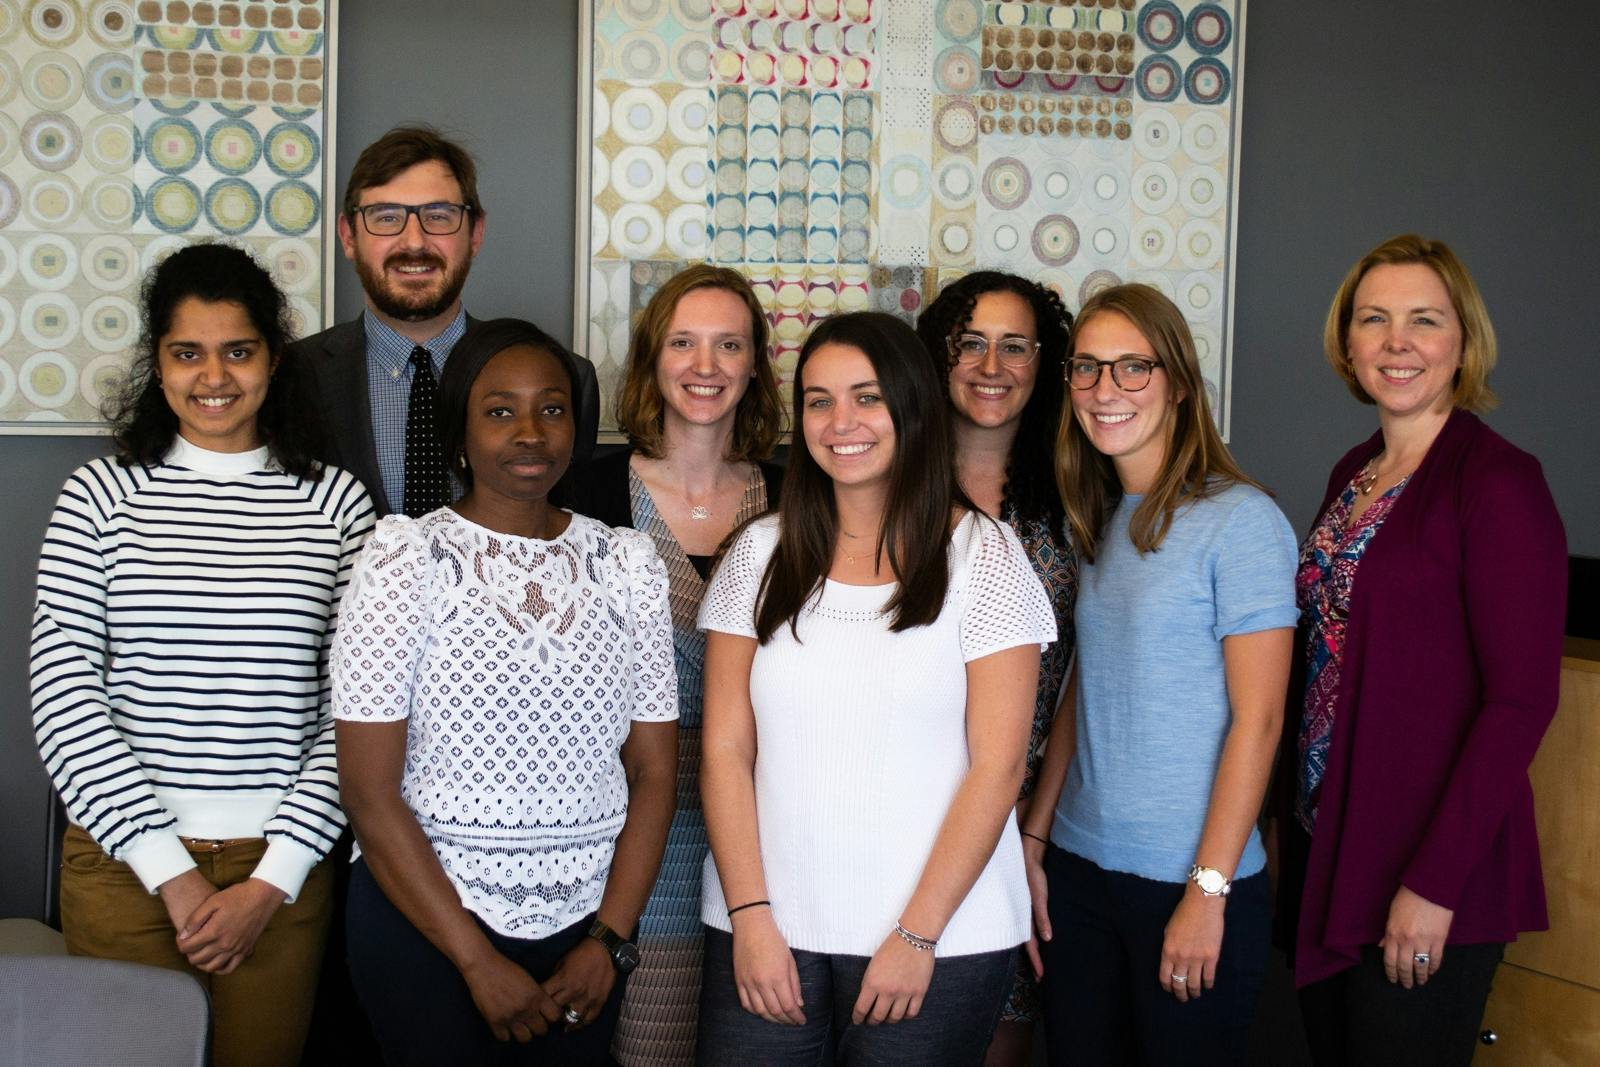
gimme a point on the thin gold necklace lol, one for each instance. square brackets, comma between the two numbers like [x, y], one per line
[847, 556]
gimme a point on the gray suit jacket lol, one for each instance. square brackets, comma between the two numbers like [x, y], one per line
[336, 364]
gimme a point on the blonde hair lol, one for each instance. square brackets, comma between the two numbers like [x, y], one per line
[640, 408]
[1195, 464]
[1478, 349]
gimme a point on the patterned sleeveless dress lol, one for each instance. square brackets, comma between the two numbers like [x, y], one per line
[662, 1004]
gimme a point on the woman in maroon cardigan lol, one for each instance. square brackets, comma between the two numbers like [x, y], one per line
[1410, 851]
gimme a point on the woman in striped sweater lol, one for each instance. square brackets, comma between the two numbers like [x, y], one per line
[188, 588]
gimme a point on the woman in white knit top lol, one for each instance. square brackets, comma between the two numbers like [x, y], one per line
[188, 588]
[872, 655]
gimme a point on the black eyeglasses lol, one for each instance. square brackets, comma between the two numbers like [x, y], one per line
[386, 220]
[974, 348]
[1131, 373]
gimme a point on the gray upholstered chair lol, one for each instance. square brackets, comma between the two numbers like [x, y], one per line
[30, 937]
[71, 1010]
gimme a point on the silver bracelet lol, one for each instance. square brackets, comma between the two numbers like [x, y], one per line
[916, 941]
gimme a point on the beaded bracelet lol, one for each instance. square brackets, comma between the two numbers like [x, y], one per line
[916, 941]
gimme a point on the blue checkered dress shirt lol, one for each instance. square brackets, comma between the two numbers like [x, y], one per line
[389, 393]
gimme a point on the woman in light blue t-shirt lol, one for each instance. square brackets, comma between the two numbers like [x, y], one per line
[1154, 921]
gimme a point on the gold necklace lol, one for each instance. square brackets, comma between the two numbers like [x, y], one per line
[847, 556]
[1368, 476]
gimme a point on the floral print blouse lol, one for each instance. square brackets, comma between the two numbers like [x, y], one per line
[1326, 576]
[1050, 551]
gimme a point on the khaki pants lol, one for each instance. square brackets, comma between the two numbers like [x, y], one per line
[260, 1012]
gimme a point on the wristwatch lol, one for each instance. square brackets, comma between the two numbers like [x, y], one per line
[624, 954]
[1210, 880]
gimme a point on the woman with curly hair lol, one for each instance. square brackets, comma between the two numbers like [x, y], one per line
[1002, 342]
[188, 588]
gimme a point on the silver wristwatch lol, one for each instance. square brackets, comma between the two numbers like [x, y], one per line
[1210, 880]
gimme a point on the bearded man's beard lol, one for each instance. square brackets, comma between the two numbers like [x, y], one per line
[412, 304]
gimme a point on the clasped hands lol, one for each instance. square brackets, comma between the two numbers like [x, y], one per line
[517, 1008]
[217, 928]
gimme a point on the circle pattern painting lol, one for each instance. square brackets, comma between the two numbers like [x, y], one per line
[1006, 183]
[173, 204]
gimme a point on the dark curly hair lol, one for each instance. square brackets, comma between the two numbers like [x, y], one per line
[1030, 472]
[143, 424]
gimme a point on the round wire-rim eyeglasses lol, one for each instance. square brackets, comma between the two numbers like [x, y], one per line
[975, 348]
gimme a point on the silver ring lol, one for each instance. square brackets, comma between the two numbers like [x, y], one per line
[1420, 957]
[572, 1016]
[1180, 978]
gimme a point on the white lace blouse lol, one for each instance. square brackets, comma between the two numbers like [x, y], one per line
[520, 664]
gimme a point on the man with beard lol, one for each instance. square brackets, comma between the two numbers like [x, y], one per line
[411, 223]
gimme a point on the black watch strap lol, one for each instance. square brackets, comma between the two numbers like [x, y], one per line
[624, 953]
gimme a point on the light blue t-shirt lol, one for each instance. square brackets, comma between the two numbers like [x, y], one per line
[1153, 696]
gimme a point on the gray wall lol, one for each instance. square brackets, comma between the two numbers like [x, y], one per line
[1371, 118]
[1362, 120]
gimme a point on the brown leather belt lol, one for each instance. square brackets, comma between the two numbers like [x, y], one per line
[207, 844]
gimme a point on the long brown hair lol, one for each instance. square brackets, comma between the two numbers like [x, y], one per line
[915, 531]
[1195, 463]
[640, 409]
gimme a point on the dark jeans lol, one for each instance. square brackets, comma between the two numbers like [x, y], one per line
[1101, 994]
[1358, 1016]
[420, 1007]
[953, 1028]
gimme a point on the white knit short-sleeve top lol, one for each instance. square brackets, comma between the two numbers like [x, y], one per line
[519, 665]
[861, 743]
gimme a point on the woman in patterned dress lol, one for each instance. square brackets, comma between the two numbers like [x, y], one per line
[506, 708]
[1002, 341]
[700, 406]
[1410, 851]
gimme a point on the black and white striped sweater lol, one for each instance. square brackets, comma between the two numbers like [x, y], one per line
[179, 661]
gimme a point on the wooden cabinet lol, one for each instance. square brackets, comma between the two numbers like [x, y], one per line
[1545, 1007]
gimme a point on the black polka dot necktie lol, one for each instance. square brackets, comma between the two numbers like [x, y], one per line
[427, 479]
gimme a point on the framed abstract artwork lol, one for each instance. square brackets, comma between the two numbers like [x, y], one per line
[852, 154]
[129, 128]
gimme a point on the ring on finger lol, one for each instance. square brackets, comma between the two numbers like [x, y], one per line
[1180, 978]
[573, 1016]
[1420, 958]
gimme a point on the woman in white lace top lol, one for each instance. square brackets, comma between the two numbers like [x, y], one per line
[506, 706]
[871, 659]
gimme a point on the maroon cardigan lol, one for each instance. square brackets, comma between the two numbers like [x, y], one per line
[1450, 675]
